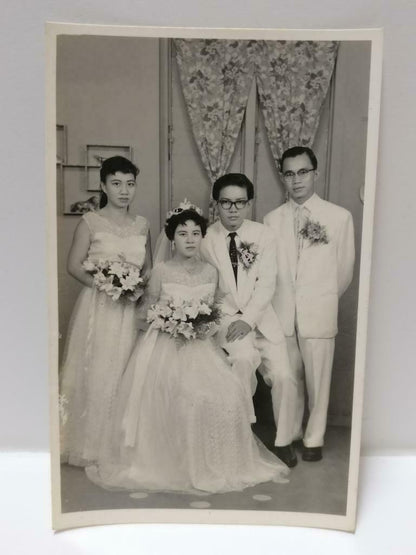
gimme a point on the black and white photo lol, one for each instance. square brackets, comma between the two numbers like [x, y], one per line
[210, 223]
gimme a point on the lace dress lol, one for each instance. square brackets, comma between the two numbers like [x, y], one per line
[100, 339]
[182, 420]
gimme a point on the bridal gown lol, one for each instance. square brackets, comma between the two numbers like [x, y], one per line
[101, 336]
[182, 421]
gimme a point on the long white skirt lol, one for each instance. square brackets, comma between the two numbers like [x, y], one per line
[183, 424]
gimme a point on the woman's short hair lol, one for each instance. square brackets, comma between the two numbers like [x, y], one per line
[112, 165]
[298, 151]
[117, 164]
[181, 218]
[237, 179]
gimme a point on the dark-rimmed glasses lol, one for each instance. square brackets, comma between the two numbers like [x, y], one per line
[227, 204]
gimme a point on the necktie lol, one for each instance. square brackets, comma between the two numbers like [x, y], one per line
[232, 249]
[298, 227]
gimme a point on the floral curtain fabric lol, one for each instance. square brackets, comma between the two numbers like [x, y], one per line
[292, 77]
[216, 77]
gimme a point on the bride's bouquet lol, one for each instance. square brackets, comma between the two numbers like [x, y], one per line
[117, 278]
[189, 319]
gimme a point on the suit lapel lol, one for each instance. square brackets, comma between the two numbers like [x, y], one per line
[245, 277]
[219, 246]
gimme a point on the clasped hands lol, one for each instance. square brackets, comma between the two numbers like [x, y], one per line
[237, 330]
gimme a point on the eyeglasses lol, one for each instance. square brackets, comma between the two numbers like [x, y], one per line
[302, 173]
[227, 204]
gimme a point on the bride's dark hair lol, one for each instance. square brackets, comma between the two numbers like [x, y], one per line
[181, 218]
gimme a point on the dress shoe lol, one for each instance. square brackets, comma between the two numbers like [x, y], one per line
[298, 444]
[286, 454]
[312, 454]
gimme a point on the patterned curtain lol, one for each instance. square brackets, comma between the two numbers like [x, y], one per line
[216, 76]
[293, 79]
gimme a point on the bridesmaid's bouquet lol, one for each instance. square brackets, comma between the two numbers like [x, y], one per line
[117, 278]
[186, 320]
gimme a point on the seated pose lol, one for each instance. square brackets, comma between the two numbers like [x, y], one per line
[243, 253]
[182, 418]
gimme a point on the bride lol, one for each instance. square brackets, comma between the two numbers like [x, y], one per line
[182, 418]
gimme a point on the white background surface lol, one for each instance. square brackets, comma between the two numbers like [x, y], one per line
[385, 521]
[389, 412]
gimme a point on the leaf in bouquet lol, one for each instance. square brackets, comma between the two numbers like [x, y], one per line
[129, 282]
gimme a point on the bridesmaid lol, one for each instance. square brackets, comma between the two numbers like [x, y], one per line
[102, 330]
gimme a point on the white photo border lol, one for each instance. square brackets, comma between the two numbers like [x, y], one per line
[87, 518]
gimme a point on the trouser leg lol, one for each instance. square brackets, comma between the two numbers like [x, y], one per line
[277, 373]
[296, 363]
[318, 356]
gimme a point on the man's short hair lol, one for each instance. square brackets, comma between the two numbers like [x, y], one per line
[298, 151]
[237, 179]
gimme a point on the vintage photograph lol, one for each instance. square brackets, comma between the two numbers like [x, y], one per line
[210, 223]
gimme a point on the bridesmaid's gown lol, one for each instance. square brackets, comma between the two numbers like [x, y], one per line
[101, 336]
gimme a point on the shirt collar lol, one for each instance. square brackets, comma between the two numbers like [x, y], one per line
[224, 231]
[308, 204]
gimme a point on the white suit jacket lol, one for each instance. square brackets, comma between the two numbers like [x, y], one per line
[311, 286]
[253, 295]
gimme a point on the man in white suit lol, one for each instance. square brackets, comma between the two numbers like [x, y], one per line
[250, 332]
[315, 258]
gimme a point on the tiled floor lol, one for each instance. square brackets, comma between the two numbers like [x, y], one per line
[318, 487]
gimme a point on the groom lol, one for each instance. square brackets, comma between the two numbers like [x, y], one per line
[315, 253]
[250, 332]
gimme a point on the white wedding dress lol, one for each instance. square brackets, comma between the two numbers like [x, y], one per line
[182, 418]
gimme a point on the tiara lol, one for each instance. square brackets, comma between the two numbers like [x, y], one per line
[184, 205]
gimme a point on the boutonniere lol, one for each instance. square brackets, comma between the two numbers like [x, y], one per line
[247, 254]
[314, 232]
